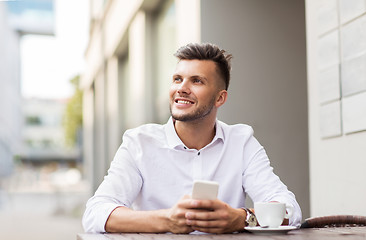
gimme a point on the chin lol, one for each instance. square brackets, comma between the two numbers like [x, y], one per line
[176, 114]
[181, 117]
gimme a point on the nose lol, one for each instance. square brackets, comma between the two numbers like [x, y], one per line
[183, 87]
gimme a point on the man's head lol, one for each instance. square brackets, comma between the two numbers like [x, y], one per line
[199, 83]
[208, 51]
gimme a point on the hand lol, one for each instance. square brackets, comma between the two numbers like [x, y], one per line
[213, 216]
[176, 216]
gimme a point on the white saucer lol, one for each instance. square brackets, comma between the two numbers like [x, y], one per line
[279, 230]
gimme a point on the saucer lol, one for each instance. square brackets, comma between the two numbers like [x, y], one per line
[279, 230]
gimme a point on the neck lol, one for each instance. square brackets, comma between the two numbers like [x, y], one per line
[196, 134]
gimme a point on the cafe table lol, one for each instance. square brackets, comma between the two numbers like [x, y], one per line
[351, 233]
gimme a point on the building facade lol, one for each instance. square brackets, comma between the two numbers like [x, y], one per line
[274, 87]
[10, 99]
[17, 18]
[43, 135]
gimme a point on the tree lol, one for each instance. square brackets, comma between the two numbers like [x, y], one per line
[73, 115]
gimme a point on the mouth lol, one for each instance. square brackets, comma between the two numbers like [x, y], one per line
[183, 101]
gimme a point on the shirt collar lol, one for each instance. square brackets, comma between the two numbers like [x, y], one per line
[174, 141]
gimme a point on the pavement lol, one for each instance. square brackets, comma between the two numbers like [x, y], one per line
[41, 211]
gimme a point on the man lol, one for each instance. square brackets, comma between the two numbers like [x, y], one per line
[148, 185]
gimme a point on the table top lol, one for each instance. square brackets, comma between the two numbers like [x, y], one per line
[352, 233]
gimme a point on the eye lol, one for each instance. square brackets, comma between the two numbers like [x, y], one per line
[177, 79]
[197, 80]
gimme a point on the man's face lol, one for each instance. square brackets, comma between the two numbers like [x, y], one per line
[194, 90]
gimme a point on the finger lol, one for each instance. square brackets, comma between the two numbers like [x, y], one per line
[208, 226]
[202, 215]
[207, 204]
[185, 202]
[207, 215]
[205, 224]
[182, 229]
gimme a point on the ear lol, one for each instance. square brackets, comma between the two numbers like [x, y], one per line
[221, 98]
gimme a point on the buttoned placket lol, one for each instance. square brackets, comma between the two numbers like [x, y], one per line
[197, 165]
[197, 162]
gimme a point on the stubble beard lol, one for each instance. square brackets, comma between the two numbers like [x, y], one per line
[195, 115]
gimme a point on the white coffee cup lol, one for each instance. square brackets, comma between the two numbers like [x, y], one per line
[272, 214]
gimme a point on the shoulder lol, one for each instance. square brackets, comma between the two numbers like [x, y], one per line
[148, 132]
[237, 135]
[236, 129]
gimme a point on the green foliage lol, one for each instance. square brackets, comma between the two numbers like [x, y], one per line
[33, 120]
[73, 117]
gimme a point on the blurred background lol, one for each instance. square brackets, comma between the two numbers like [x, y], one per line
[74, 75]
[42, 46]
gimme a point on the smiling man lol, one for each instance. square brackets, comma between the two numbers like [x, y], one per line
[150, 179]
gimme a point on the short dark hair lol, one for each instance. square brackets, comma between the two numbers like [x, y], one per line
[208, 51]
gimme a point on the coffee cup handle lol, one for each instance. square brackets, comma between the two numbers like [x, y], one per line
[289, 210]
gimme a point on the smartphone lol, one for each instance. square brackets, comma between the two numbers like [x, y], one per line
[205, 190]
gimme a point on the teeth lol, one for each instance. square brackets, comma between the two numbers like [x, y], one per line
[183, 102]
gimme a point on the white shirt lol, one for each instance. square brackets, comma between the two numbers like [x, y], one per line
[152, 170]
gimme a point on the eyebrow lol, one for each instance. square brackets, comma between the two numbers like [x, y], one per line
[198, 76]
[194, 76]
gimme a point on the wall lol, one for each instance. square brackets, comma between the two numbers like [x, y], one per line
[336, 48]
[268, 89]
[110, 23]
[10, 100]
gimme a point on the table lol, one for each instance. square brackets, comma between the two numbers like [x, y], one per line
[351, 233]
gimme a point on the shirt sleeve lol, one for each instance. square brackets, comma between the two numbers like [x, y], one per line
[119, 188]
[262, 185]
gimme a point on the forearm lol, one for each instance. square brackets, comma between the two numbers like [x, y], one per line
[123, 219]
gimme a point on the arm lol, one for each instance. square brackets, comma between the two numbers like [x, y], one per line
[211, 216]
[123, 219]
[262, 185]
[173, 220]
[118, 189]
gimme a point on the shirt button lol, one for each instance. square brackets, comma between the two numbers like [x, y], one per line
[185, 147]
[199, 153]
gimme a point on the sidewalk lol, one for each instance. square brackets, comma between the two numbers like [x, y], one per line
[37, 216]
[41, 213]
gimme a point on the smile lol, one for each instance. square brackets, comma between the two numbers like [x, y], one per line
[183, 101]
